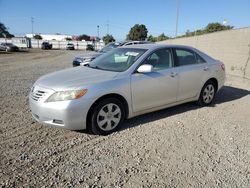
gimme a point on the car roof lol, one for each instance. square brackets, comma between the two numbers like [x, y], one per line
[154, 46]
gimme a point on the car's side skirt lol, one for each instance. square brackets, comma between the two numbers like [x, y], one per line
[163, 107]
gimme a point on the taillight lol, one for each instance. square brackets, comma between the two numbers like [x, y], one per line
[222, 66]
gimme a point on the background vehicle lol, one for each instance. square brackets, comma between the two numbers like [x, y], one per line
[90, 47]
[81, 60]
[46, 46]
[8, 47]
[70, 46]
[127, 43]
[84, 59]
[123, 83]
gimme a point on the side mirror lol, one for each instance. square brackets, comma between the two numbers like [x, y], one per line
[145, 68]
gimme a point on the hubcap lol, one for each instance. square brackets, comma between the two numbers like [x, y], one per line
[109, 117]
[208, 93]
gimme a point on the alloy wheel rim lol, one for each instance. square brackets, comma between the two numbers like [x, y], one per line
[208, 93]
[109, 117]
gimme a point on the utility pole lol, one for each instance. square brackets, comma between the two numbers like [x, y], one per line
[177, 17]
[32, 26]
[107, 27]
[98, 30]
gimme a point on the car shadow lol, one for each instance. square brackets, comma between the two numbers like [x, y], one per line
[23, 51]
[226, 94]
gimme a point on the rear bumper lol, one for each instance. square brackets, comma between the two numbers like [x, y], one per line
[221, 81]
[70, 115]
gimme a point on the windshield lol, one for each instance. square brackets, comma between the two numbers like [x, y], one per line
[109, 47]
[118, 60]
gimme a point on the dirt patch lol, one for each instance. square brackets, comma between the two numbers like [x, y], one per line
[183, 146]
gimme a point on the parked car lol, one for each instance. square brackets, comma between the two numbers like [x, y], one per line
[70, 46]
[124, 83]
[84, 59]
[8, 47]
[46, 46]
[127, 43]
[90, 47]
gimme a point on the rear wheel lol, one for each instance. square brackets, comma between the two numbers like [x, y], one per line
[207, 94]
[107, 116]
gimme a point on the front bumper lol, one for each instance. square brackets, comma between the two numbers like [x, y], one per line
[70, 114]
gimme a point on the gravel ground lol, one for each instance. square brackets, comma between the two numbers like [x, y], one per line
[183, 146]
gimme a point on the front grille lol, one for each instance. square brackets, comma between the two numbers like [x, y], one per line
[38, 95]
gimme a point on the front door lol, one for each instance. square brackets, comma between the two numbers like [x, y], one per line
[156, 88]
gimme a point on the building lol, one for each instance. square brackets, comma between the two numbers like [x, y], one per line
[57, 37]
[21, 42]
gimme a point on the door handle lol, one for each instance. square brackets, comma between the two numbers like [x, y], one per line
[173, 74]
[205, 68]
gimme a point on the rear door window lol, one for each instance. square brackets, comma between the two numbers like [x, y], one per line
[185, 57]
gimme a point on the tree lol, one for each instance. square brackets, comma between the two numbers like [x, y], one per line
[4, 32]
[137, 32]
[210, 28]
[38, 37]
[151, 38]
[162, 37]
[213, 27]
[83, 37]
[108, 38]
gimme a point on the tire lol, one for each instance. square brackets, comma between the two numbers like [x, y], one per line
[207, 94]
[107, 116]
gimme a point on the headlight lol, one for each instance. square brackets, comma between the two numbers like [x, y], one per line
[66, 95]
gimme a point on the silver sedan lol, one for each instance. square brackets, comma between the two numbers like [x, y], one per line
[125, 82]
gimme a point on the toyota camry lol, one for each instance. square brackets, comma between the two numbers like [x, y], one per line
[124, 83]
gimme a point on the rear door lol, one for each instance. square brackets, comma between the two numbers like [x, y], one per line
[192, 69]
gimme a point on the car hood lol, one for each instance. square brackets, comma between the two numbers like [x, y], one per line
[89, 55]
[74, 78]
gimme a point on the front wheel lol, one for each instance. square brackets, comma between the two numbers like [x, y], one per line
[107, 116]
[207, 94]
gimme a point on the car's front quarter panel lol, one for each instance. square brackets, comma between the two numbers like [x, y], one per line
[119, 86]
[73, 113]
